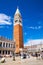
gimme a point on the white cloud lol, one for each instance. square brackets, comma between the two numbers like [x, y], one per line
[35, 27]
[31, 27]
[4, 19]
[34, 42]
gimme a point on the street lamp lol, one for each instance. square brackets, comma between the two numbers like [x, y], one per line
[14, 51]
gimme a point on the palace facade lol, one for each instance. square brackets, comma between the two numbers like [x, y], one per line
[7, 47]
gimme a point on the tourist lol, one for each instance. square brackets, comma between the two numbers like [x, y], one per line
[36, 55]
[42, 54]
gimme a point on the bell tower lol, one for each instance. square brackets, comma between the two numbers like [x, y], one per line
[18, 33]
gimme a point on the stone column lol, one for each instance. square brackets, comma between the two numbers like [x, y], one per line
[5, 44]
[4, 52]
[2, 44]
[10, 45]
[1, 52]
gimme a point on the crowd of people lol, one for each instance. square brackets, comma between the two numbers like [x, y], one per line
[39, 55]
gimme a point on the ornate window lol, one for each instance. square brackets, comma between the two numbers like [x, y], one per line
[9, 44]
[19, 21]
[6, 52]
[4, 44]
[0, 51]
[3, 52]
[16, 21]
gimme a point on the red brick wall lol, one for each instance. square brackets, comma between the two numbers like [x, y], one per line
[18, 36]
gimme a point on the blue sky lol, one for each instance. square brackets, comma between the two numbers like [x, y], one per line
[32, 18]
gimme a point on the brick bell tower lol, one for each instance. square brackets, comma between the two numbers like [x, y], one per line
[18, 33]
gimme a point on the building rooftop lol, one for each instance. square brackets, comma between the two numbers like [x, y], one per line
[17, 11]
[5, 39]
